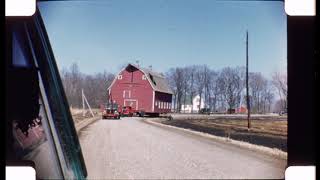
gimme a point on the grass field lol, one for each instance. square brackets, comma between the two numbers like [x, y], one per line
[270, 131]
[78, 116]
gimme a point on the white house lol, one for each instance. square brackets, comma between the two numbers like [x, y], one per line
[196, 105]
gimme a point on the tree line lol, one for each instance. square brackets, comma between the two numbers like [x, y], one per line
[225, 89]
[94, 86]
[220, 89]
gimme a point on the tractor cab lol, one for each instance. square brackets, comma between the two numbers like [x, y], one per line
[111, 110]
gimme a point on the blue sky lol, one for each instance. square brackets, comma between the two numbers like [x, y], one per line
[103, 35]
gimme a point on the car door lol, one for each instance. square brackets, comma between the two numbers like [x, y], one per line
[39, 125]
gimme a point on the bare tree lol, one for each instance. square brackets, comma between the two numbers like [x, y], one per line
[231, 85]
[192, 90]
[175, 79]
[72, 81]
[185, 84]
[268, 97]
[277, 107]
[213, 90]
[200, 77]
[258, 84]
[279, 80]
[94, 86]
[179, 80]
[207, 81]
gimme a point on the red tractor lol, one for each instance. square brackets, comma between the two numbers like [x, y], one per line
[128, 111]
[110, 110]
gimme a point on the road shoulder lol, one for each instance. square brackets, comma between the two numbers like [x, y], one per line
[262, 149]
[84, 123]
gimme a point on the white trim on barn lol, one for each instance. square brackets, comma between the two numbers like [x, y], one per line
[114, 79]
[153, 97]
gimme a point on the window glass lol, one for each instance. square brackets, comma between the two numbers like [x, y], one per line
[36, 143]
[65, 135]
[19, 52]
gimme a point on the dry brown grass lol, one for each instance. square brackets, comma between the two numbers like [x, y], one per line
[270, 131]
[275, 127]
[78, 116]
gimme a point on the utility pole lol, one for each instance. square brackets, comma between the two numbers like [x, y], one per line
[247, 82]
[83, 105]
[84, 99]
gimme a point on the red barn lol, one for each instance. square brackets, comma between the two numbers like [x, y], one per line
[144, 90]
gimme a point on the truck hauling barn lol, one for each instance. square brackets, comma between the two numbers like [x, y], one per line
[146, 91]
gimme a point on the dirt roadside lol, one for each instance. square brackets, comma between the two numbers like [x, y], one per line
[81, 121]
[272, 142]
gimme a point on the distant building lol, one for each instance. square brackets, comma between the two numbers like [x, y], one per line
[188, 107]
[241, 109]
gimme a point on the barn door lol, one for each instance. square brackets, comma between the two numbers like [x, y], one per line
[131, 102]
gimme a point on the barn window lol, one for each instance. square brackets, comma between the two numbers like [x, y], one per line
[120, 76]
[126, 94]
[144, 77]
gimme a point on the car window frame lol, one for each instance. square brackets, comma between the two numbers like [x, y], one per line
[70, 154]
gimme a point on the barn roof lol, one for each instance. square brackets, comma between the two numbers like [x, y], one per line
[157, 80]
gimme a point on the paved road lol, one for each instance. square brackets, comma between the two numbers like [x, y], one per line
[131, 148]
